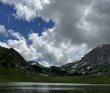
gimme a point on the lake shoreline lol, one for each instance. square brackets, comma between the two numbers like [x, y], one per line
[89, 79]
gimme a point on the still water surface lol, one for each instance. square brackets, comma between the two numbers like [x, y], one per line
[16, 87]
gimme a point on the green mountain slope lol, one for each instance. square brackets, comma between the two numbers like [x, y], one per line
[10, 57]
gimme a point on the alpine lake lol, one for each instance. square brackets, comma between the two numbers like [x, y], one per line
[30, 87]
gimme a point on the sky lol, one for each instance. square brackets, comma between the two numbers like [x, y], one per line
[54, 32]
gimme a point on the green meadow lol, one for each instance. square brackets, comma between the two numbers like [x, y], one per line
[15, 75]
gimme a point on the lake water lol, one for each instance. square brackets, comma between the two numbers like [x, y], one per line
[53, 88]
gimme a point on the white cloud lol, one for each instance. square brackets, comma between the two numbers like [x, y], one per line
[20, 45]
[26, 9]
[60, 44]
[16, 35]
[27, 51]
[79, 26]
[45, 47]
[55, 54]
[45, 63]
[3, 30]
[4, 45]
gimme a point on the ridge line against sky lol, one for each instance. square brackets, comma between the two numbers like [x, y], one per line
[54, 32]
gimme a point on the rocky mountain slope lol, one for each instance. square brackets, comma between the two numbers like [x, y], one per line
[96, 60]
[69, 66]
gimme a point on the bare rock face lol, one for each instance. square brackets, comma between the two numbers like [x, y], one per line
[95, 60]
[70, 66]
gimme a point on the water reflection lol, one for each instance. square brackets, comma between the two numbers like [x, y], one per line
[23, 87]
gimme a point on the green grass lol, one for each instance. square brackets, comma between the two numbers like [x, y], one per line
[14, 75]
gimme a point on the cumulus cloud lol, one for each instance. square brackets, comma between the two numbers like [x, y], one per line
[79, 26]
[26, 9]
[27, 51]
[4, 45]
[59, 54]
[81, 21]
[20, 45]
[99, 21]
[3, 31]
[16, 35]
[44, 47]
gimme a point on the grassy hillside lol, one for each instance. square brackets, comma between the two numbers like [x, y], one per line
[10, 57]
[15, 75]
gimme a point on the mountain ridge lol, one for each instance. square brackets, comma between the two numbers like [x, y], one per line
[99, 57]
[17, 69]
[96, 60]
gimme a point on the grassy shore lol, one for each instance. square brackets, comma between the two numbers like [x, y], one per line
[14, 75]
